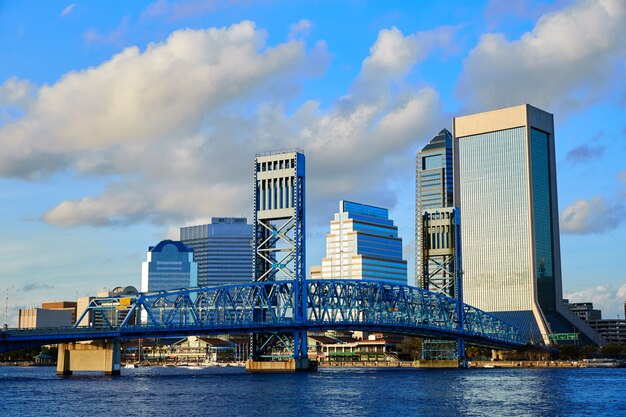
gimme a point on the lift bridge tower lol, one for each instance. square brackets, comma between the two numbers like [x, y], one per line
[441, 271]
[279, 250]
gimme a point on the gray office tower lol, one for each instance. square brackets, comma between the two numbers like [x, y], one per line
[222, 249]
[505, 187]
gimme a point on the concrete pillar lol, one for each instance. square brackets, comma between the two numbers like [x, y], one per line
[290, 365]
[63, 360]
[98, 356]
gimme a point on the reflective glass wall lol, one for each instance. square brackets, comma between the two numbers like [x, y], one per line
[495, 213]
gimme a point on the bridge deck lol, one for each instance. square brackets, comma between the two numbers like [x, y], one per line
[268, 307]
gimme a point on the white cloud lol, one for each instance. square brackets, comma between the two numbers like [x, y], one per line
[301, 29]
[393, 55]
[115, 37]
[15, 97]
[70, 7]
[591, 216]
[606, 297]
[174, 128]
[562, 62]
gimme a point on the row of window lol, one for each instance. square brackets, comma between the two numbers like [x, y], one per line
[275, 165]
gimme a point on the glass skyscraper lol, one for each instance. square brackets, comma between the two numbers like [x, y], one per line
[433, 190]
[363, 243]
[169, 265]
[505, 187]
[222, 249]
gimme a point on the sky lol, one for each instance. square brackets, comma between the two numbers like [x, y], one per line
[122, 121]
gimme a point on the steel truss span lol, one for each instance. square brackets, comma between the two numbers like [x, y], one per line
[269, 307]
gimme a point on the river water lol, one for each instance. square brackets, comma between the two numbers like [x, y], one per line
[157, 391]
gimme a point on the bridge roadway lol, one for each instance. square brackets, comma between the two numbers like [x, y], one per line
[268, 307]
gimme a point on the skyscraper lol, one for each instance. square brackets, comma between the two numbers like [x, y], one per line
[363, 243]
[222, 249]
[505, 186]
[436, 233]
[433, 192]
[169, 265]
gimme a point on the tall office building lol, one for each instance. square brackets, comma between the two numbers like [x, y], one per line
[436, 233]
[505, 186]
[433, 203]
[363, 243]
[222, 249]
[169, 265]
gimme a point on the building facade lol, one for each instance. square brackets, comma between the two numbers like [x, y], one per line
[433, 191]
[51, 314]
[612, 330]
[39, 318]
[363, 243]
[223, 250]
[505, 187]
[584, 311]
[169, 265]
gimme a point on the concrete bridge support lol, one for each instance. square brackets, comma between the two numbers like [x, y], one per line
[290, 365]
[97, 356]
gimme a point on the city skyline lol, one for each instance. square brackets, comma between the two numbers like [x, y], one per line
[105, 137]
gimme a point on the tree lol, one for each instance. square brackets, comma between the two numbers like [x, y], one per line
[612, 350]
[411, 346]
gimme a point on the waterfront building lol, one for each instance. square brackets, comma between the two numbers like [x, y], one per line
[51, 314]
[223, 250]
[505, 187]
[433, 191]
[436, 231]
[169, 265]
[61, 306]
[612, 330]
[584, 310]
[81, 305]
[115, 305]
[39, 318]
[363, 243]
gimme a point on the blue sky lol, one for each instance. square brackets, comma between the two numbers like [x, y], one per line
[122, 121]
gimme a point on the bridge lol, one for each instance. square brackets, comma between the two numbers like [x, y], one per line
[269, 307]
[280, 304]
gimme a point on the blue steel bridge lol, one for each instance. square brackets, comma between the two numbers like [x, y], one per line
[281, 307]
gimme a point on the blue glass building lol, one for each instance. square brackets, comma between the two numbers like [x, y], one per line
[363, 243]
[169, 265]
[222, 249]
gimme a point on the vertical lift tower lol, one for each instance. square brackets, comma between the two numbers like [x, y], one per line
[279, 253]
[441, 272]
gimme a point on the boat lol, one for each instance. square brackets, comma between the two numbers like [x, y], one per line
[130, 366]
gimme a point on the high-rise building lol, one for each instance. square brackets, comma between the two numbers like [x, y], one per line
[223, 250]
[505, 187]
[169, 265]
[363, 243]
[436, 233]
[433, 194]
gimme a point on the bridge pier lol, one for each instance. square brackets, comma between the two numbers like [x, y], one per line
[291, 365]
[98, 356]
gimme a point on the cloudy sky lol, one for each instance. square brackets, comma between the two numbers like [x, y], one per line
[122, 121]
